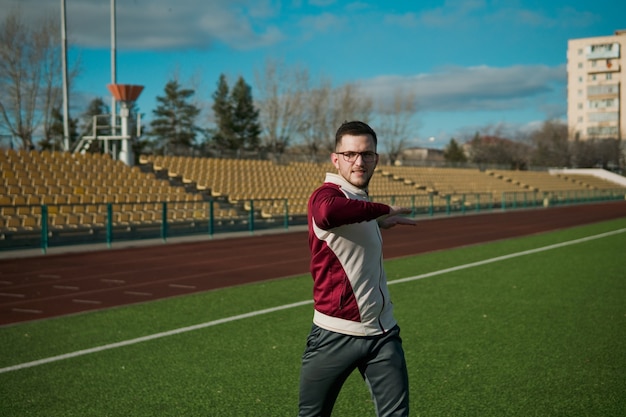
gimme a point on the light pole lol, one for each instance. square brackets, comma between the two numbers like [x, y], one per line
[66, 100]
[113, 66]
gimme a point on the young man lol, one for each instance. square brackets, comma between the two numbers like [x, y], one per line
[353, 322]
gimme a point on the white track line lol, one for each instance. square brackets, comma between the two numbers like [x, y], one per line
[293, 305]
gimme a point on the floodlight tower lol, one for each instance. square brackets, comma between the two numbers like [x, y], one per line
[126, 95]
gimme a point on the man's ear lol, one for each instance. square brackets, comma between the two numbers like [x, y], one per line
[334, 158]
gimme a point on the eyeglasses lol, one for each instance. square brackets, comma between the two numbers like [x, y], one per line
[367, 156]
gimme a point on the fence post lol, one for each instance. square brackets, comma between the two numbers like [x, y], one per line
[164, 221]
[431, 205]
[109, 224]
[251, 217]
[211, 217]
[44, 228]
[286, 220]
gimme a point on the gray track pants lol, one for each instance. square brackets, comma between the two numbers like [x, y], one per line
[329, 358]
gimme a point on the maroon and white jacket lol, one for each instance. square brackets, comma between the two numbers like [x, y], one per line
[350, 286]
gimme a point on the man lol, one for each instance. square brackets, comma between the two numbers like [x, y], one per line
[353, 322]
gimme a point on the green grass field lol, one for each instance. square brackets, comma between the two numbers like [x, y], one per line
[541, 333]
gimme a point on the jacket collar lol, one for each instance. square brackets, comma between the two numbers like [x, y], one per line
[341, 182]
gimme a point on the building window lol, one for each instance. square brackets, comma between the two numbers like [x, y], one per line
[603, 51]
[603, 103]
[606, 131]
[609, 76]
[594, 90]
[580, 65]
[610, 116]
[580, 106]
[605, 47]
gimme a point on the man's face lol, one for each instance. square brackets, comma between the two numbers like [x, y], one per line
[359, 171]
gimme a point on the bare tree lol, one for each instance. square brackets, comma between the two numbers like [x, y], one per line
[596, 153]
[486, 150]
[280, 103]
[315, 124]
[326, 109]
[349, 103]
[30, 76]
[397, 121]
[551, 145]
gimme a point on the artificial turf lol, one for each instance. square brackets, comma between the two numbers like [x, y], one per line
[534, 335]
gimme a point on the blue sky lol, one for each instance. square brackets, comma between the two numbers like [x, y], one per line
[472, 63]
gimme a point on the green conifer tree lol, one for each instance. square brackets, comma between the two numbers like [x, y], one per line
[174, 125]
[245, 124]
[453, 152]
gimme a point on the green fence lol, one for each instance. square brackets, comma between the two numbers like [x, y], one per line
[24, 227]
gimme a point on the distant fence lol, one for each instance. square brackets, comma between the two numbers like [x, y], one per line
[32, 227]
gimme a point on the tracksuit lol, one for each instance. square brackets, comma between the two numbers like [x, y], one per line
[353, 322]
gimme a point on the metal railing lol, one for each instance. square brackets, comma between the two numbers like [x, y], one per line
[45, 226]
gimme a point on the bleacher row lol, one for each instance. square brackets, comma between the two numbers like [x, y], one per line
[75, 188]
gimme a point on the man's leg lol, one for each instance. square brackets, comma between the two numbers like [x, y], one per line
[328, 360]
[386, 374]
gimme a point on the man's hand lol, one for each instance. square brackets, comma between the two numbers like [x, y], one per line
[395, 217]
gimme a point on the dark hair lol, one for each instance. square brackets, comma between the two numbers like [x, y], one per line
[354, 128]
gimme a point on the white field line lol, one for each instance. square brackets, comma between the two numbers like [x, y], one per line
[509, 256]
[152, 337]
[292, 305]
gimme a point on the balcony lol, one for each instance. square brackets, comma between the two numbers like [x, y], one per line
[603, 65]
[603, 51]
[599, 91]
[603, 131]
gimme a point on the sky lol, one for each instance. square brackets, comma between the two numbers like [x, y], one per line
[473, 64]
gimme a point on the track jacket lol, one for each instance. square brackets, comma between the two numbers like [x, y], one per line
[350, 286]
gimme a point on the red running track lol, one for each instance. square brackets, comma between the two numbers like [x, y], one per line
[53, 285]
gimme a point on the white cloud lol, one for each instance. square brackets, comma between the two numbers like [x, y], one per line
[408, 20]
[322, 23]
[161, 24]
[473, 13]
[453, 13]
[321, 3]
[475, 88]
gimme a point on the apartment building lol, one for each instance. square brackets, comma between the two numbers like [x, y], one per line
[596, 93]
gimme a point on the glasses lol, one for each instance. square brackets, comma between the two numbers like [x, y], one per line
[367, 156]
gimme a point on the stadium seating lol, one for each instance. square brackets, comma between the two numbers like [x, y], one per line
[588, 181]
[75, 188]
[535, 180]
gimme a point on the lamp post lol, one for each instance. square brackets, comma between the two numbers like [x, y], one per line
[66, 105]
